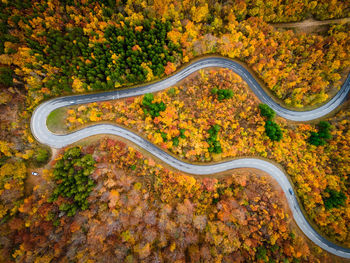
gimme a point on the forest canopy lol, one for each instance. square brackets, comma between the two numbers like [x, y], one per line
[103, 199]
[83, 46]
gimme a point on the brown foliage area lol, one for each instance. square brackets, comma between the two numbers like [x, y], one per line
[140, 211]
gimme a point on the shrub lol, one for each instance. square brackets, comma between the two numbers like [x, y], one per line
[323, 134]
[171, 92]
[335, 199]
[324, 128]
[261, 253]
[222, 93]
[164, 136]
[316, 140]
[6, 76]
[266, 111]
[71, 174]
[273, 131]
[182, 133]
[151, 108]
[41, 156]
[214, 144]
[176, 139]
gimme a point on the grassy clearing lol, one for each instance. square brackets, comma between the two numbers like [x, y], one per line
[56, 120]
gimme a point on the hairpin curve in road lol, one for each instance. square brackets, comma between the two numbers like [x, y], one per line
[45, 136]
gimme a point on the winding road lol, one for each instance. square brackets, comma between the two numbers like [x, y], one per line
[43, 135]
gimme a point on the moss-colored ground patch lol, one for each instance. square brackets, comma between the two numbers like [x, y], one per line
[55, 120]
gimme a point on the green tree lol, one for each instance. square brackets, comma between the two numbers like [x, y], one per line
[319, 138]
[71, 174]
[181, 135]
[315, 139]
[6, 76]
[335, 199]
[273, 131]
[41, 156]
[324, 128]
[222, 93]
[266, 111]
[214, 144]
[261, 253]
[150, 107]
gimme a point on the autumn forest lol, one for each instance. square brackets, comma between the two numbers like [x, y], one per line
[98, 128]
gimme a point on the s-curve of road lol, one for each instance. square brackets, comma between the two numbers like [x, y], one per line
[45, 136]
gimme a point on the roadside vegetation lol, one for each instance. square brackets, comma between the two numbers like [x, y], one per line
[240, 126]
[139, 210]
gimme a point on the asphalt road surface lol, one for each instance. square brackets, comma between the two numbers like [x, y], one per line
[43, 135]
